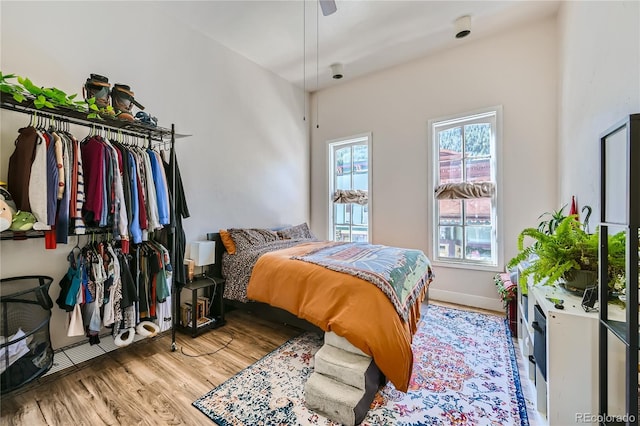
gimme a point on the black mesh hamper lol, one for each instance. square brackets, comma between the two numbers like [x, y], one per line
[25, 342]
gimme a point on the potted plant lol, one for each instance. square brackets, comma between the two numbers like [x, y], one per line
[555, 217]
[568, 254]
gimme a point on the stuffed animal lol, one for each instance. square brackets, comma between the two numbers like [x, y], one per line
[6, 214]
[6, 197]
[22, 221]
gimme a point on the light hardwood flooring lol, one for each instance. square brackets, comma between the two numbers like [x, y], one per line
[146, 383]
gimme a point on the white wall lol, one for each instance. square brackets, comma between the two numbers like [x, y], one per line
[518, 70]
[599, 85]
[247, 163]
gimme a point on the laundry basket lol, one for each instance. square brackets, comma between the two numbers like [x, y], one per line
[25, 342]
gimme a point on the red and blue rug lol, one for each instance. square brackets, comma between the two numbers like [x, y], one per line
[465, 373]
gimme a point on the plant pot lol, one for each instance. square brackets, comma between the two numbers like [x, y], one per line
[581, 280]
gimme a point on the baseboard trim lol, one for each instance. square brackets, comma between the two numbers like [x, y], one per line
[466, 299]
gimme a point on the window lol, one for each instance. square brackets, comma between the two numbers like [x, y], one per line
[465, 182]
[349, 183]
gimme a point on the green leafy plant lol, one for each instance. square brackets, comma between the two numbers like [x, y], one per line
[507, 294]
[42, 97]
[569, 248]
[15, 90]
[555, 217]
[98, 113]
[51, 97]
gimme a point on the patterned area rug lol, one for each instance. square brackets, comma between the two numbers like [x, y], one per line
[465, 373]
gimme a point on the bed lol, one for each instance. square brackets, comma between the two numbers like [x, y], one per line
[289, 269]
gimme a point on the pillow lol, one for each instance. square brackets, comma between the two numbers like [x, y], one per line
[298, 232]
[227, 241]
[246, 238]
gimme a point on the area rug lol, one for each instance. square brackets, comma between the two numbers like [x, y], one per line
[465, 373]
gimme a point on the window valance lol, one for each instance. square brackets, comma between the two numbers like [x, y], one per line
[464, 190]
[357, 196]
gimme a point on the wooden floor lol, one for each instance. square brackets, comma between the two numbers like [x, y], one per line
[146, 383]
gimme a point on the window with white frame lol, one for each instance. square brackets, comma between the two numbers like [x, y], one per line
[349, 184]
[465, 189]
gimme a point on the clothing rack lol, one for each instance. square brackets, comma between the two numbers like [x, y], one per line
[161, 135]
[172, 235]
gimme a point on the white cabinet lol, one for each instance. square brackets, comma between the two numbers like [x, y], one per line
[569, 395]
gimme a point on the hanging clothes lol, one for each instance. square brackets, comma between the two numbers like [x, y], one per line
[124, 163]
[178, 240]
[153, 267]
[38, 184]
[120, 220]
[142, 204]
[161, 187]
[164, 307]
[77, 198]
[112, 289]
[19, 170]
[64, 203]
[151, 195]
[69, 285]
[112, 292]
[59, 164]
[134, 223]
[74, 186]
[92, 151]
[52, 179]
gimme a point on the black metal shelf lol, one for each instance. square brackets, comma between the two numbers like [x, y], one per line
[20, 235]
[32, 233]
[620, 199]
[73, 116]
[203, 282]
[214, 319]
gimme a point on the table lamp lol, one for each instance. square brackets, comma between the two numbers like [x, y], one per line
[203, 254]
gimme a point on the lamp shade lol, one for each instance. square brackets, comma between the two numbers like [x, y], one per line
[203, 252]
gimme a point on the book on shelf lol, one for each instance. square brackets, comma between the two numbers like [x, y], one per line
[185, 314]
[203, 303]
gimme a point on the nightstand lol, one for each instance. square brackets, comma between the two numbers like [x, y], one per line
[211, 310]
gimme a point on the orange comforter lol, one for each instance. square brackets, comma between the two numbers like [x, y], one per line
[349, 306]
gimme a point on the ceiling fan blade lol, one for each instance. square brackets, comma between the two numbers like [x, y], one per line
[328, 7]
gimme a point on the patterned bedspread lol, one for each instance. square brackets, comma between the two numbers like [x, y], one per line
[400, 273]
[237, 268]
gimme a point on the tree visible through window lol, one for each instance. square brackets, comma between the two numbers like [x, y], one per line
[465, 181]
[349, 177]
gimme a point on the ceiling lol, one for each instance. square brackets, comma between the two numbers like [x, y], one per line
[364, 35]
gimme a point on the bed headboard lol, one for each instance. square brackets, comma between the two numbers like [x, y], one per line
[216, 268]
